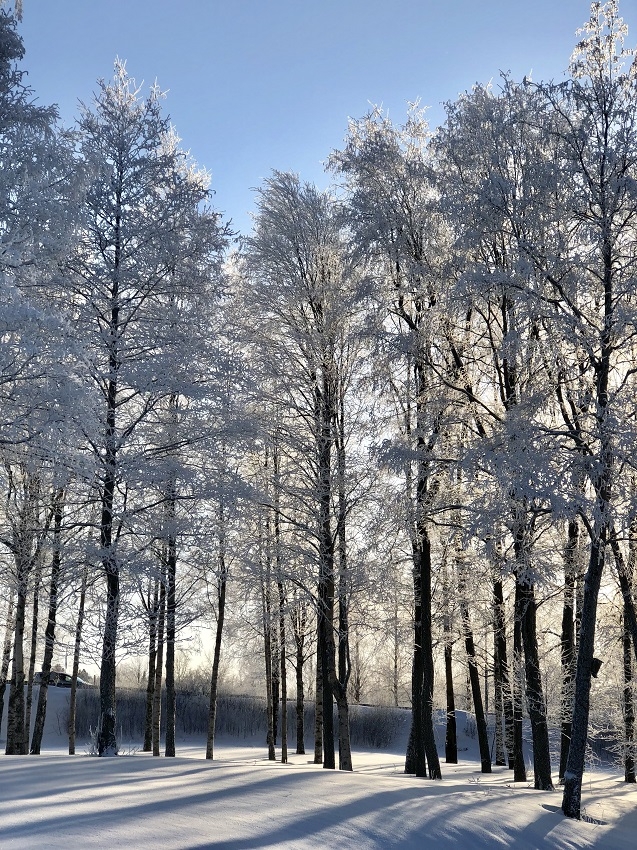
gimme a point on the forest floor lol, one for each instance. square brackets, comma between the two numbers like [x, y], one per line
[241, 801]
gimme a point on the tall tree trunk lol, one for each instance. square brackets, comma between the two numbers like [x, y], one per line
[601, 473]
[171, 602]
[629, 642]
[267, 652]
[498, 710]
[27, 539]
[519, 766]
[325, 645]
[278, 649]
[298, 618]
[170, 532]
[324, 400]
[318, 704]
[300, 705]
[107, 727]
[423, 742]
[628, 630]
[572, 797]
[159, 663]
[222, 579]
[265, 559]
[284, 680]
[567, 642]
[6, 650]
[500, 759]
[451, 736]
[107, 731]
[629, 707]
[16, 733]
[486, 676]
[282, 640]
[171, 606]
[356, 677]
[35, 613]
[474, 676]
[415, 760]
[423, 565]
[276, 675]
[49, 634]
[396, 643]
[501, 673]
[339, 691]
[526, 613]
[79, 625]
[534, 690]
[341, 677]
[152, 607]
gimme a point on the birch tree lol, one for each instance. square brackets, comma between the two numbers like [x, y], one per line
[593, 123]
[306, 286]
[390, 210]
[488, 160]
[124, 274]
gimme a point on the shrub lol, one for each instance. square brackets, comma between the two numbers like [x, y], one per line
[241, 717]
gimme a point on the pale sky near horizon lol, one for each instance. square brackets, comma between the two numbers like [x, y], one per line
[256, 85]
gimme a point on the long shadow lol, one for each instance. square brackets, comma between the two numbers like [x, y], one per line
[446, 829]
[381, 816]
[391, 811]
[170, 800]
[622, 835]
[275, 784]
[382, 819]
[39, 774]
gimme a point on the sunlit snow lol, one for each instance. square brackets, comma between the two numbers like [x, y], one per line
[240, 801]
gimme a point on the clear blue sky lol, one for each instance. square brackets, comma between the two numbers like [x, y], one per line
[260, 84]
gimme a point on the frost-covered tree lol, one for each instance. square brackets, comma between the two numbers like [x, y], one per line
[391, 212]
[142, 253]
[303, 291]
[39, 188]
[559, 184]
[487, 161]
[38, 191]
[589, 269]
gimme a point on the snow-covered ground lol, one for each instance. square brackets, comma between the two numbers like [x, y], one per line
[240, 801]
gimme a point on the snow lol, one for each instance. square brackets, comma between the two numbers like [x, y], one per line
[241, 801]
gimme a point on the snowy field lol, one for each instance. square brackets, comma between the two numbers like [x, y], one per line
[241, 801]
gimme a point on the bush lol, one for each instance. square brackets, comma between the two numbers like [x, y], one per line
[237, 716]
[375, 726]
[242, 717]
